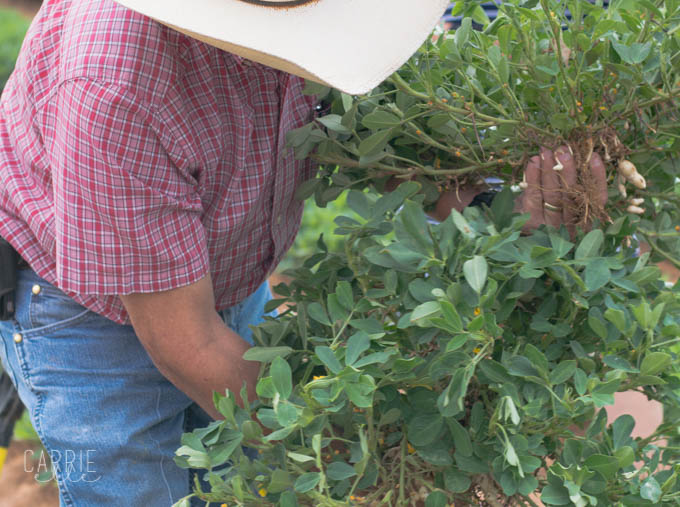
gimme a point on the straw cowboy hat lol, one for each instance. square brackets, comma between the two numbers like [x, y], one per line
[352, 45]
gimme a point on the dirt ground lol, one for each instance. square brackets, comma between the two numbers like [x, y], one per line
[19, 488]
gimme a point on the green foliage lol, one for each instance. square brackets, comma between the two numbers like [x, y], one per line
[455, 358]
[453, 362]
[480, 103]
[316, 221]
[13, 27]
[23, 429]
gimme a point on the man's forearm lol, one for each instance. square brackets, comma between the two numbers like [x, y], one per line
[190, 344]
[210, 361]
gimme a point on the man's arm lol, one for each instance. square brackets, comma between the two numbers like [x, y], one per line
[190, 344]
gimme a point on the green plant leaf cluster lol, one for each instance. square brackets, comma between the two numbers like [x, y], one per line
[479, 103]
[13, 27]
[441, 361]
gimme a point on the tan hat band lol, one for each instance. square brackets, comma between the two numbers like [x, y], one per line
[279, 3]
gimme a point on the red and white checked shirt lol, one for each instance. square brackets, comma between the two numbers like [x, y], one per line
[136, 159]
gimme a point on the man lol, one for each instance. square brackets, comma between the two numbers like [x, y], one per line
[146, 188]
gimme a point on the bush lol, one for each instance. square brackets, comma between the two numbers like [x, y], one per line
[316, 221]
[13, 27]
[463, 362]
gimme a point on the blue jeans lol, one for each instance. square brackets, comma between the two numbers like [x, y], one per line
[109, 420]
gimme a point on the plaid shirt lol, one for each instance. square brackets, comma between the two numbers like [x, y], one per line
[136, 159]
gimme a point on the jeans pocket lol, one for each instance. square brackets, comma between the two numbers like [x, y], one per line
[42, 308]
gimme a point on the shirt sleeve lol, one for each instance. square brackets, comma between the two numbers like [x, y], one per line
[127, 210]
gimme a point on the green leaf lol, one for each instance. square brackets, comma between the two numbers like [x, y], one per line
[436, 455]
[495, 371]
[512, 458]
[590, 245]
[280, 434]
[356, 345]
[334, 122]
[462, 224]
[616, 317]
[597, 323]
[288, 499]
[475, 271]
[463, 33]
[377, 120]
[619, 363]
[280, 481]
[411, 228]
[633, 54]
[597, 274]
[520, 366]
[316, 312]
[425, 310]
[184, 502]
[423, 429]
[563, 372]
[456, 481]
[345, 295]
[580, 381]
[606, 465]
[307, 188]
[266, 354]
[461, 438]
[361, 393]
[436, 499]
[555, 495]
[282, 377]
[328, 358]
[655, 362]
[286, 413]
[336, 311]
[561, 246]
[650, 490]
[339, 470]
[451, 400]
[621, 431]
[307, 482]
[537, 358]
[451, 316]
[376, 357]
[300, 458]
[390, 417]
[626, 456]
[374, 143]
[370, 326]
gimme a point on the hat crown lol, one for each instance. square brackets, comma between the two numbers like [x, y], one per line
[352, 45]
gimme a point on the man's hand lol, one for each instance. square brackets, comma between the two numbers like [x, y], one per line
[190, 344]
[551, 187]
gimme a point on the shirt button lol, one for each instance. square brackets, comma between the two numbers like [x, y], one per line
[36, 289]
[17, 337]
[278, 220]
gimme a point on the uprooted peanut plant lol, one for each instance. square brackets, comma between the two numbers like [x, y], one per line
[462, 362]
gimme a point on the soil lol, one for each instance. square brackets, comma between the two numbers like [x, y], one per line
[18, 488]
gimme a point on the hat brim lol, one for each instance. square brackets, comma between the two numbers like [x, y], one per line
[352, 45]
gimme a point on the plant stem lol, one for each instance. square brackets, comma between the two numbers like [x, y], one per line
[402, 472]
[557, 35]
[661, 251]
[490, 491]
